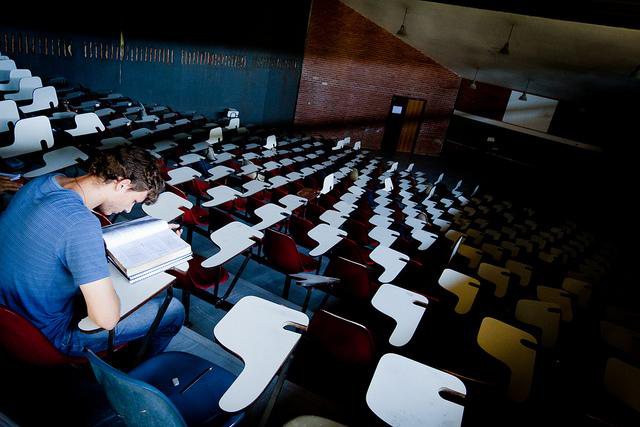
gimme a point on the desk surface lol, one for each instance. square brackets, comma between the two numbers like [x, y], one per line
[232, 239]
[182, 175]
[229, 147]
[190, 158]
[344, 207]
[163, 146]
[218, 172]
[223, 157]
[403, 306]
[254, 331]
[219, 195]
[415, 223]
[391, 260]
[382, 200]
[167, 207]
[254, 187]
[306, 171]
[294, 176]
[358, 191]
[380, 221]
[383, 235]
[270, 214]
[278, 181]
[250, 155]
[326, 236]
[425, 238]
[131, 296]
[248, 169]
[58, 159]
[271, 165]
[464, 287]
[381, 210]
[333, 218]
[404, 392]
[292, 202]
[350, 198]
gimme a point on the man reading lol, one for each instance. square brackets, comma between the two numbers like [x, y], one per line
[52, 252]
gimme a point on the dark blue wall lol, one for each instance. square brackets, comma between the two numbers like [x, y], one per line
[194, 61]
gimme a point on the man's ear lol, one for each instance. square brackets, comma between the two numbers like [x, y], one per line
[123, 184]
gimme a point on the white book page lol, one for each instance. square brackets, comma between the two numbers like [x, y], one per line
[124, 232]
[152, 249]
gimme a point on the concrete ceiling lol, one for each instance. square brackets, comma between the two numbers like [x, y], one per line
[565, 60]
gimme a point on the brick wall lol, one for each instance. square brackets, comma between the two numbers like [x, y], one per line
[352, 68]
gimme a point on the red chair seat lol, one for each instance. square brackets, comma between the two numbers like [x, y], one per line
[309, 263]
[195, 216]
[28, 344]
[199, 277]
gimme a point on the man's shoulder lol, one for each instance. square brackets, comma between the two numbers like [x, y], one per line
[51, 203]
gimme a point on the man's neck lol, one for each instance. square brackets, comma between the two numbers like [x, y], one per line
[87, 187]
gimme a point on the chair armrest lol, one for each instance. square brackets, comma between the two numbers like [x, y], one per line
[309, 280]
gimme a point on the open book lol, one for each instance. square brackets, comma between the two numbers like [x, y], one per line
[144, 247]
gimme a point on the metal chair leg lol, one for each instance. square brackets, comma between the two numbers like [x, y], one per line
[186, 302]
[287, 286]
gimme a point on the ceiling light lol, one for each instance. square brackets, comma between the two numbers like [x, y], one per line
[523, 97]
[505, 48]
[402, 31]
[473, 83]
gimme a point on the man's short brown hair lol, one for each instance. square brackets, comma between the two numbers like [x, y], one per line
[131, 163]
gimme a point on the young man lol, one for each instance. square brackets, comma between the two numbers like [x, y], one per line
[52, 251]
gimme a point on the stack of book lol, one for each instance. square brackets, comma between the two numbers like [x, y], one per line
[144, 247]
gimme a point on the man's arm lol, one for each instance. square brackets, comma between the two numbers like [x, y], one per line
[103, 304]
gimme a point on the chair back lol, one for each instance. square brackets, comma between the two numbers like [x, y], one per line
[349, 249]
[282, 252]
[138, 403]
[354, 279]
[299, 228]
[346, 341]
[26, 343]
[205, 277]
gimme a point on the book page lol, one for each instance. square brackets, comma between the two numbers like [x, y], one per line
[147, 252]
[124, 232]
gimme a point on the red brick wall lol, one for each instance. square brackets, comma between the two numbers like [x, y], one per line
[486, 100]
[352, 68]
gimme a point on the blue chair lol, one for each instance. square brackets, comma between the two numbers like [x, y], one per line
[171, 389]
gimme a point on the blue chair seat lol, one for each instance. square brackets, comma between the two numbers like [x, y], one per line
[172, 389]
[199, 404]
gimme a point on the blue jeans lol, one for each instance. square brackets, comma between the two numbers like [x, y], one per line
[133, 327]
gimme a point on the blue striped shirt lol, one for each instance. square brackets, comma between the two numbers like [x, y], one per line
[50, 244]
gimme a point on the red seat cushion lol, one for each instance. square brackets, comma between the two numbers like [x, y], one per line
[309, 263]
[198, 276]
[195, 216]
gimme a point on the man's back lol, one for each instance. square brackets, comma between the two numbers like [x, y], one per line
[51, 244]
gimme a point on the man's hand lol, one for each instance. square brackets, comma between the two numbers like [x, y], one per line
[177, 229]
[7, 185]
